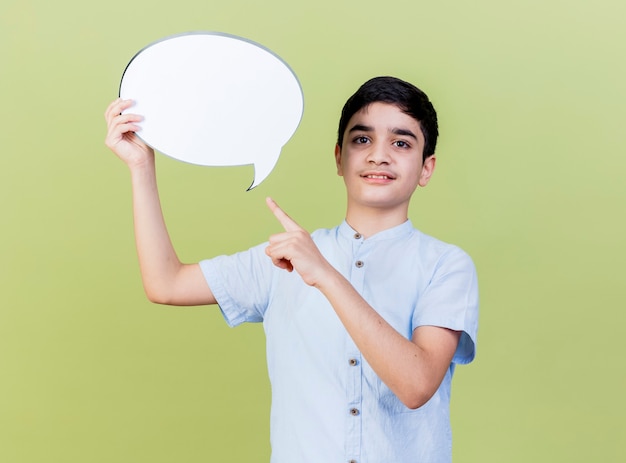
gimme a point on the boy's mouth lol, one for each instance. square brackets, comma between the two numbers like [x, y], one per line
[378, 176]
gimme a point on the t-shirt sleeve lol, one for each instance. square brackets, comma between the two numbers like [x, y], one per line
[241, 284]
[451, 300]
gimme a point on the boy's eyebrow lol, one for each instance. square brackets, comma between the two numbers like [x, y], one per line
[404, 132]
[361, 128]
[396, 131]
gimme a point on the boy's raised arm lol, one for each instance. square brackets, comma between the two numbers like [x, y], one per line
[166, 280]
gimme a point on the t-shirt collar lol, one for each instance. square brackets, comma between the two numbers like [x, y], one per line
[398, 231]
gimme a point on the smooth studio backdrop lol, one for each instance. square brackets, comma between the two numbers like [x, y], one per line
[529, 182]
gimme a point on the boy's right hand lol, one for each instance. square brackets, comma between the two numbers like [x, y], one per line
[121, 138]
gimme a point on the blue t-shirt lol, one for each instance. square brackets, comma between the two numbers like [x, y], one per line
[328, 405]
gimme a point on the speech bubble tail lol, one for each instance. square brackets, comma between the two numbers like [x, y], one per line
[262, 169]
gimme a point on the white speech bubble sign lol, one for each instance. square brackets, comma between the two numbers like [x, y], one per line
[214, 99]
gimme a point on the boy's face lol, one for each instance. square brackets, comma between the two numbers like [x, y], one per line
[381, 158]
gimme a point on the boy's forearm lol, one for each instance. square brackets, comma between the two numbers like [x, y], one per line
[403, 365]
[158, 261]
[412, 369]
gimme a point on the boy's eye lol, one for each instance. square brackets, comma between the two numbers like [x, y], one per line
[401, 144]
[361, 140]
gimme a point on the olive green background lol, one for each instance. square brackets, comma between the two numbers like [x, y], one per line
[529, 181]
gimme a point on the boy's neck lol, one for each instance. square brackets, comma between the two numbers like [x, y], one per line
[369, 221]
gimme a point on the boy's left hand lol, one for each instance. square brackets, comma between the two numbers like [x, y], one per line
[294, 249]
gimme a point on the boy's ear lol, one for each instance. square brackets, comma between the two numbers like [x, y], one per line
[338, 160]
[427, 170]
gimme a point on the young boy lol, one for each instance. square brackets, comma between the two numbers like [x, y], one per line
[364, 322]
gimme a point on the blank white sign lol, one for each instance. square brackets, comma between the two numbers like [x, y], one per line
[214, 99]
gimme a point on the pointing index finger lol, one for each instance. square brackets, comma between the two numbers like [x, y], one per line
[287, 222]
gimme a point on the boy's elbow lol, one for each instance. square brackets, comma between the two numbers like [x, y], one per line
[414, 402]
[156, 300]
[416, 397]
[157, 297]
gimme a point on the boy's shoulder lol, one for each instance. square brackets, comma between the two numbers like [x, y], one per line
[441, 252]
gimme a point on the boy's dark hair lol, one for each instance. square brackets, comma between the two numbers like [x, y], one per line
[410, 99]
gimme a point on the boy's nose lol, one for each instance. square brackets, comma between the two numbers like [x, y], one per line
[378, 155]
